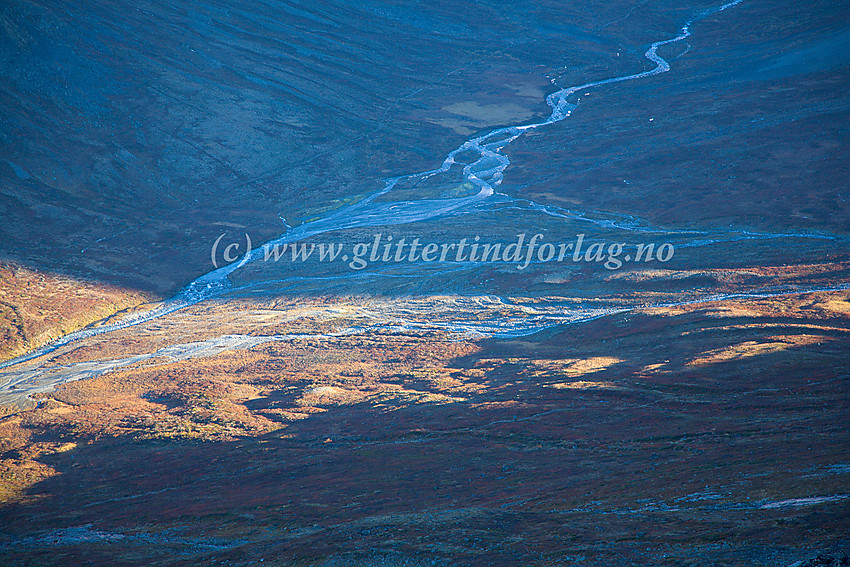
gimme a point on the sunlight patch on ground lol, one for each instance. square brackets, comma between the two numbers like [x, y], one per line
[750, 349]
[835, 305]
[572, 368]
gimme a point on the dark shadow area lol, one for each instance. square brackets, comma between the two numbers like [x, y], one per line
[130, 147]
[136, 133]
[666, 439]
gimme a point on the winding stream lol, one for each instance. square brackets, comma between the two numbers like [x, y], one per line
[483, 171]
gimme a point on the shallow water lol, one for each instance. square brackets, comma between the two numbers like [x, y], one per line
[474, 171]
